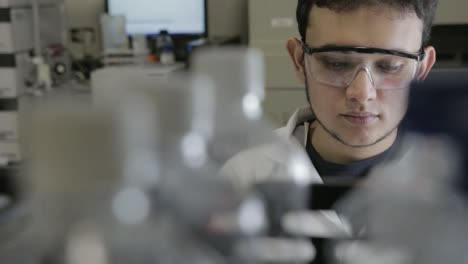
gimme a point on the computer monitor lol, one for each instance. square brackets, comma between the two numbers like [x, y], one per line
[149, 17]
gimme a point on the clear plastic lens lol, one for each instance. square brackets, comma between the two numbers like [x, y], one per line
[340, 69]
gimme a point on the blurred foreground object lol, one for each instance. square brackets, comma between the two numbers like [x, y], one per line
[135, 181]
[241, 130]
[414, 210]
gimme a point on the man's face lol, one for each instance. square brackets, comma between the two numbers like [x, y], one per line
[360, 115]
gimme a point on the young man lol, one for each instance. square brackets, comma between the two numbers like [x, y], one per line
[356, 59]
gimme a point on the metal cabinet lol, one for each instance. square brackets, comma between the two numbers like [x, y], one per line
[452, 12]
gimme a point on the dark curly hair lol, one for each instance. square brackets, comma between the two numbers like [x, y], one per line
[424, 9]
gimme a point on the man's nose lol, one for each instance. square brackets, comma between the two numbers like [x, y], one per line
[362, 88]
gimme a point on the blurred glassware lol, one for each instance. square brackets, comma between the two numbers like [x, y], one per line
[242, 133]
[254, 157]
[408, 211]
[238, 75]
[138, 182]
[133, 185]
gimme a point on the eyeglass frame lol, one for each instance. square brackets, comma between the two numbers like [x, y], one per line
[364, 50]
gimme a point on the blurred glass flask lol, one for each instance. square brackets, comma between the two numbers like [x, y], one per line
[409, 211]
[138, 180]
[239, 78]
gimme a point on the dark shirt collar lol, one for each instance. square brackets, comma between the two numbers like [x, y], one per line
[356, 169]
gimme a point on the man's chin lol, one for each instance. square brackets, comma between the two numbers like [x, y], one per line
[363, 140]
[358, 138]
[362, 143]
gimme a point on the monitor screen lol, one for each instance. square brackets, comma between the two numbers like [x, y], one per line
[184, 17]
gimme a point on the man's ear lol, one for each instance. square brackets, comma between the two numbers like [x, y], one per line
[294, 47]
[427, 63]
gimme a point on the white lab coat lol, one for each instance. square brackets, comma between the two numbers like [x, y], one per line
[261, 164]
[257, 164]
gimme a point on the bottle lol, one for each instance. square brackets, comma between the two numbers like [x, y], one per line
[165, 48]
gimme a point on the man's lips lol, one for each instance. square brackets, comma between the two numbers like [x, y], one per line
[360, 114]
[360, 118]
